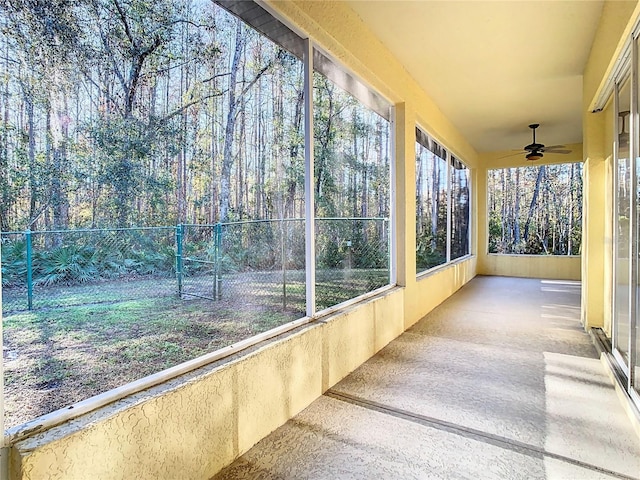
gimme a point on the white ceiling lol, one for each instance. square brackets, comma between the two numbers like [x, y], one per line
[494, 67]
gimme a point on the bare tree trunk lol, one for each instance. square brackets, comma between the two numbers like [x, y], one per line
[213, 186]
[534, 201]
[182, 153]
[516, 212]
[31, 155]
[420, 198]
[504, 220]
[293, 156]
[258, 154]
[570, 226]
[364, 200]
[353, 184]
[241, 206]
[321, 163]
[435, 205]
[545, 227]
[59, 200]
[227, 158]
[6, 199]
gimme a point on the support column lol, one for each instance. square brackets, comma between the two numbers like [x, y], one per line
[404, 207]
[596, 224]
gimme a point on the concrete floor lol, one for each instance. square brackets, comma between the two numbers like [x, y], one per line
[499, 382]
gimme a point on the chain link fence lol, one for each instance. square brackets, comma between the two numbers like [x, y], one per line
[254, 266]
[258, 261]
[352, 258]
[263, 262]
[49, 269]
[88, 310]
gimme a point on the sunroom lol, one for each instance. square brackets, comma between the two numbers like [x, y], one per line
[214, 212]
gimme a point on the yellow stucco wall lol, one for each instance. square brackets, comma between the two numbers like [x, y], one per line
[532, 266]
[192, 430]
[193, 427]
[616, 23]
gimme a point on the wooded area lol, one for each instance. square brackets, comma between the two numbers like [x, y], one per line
[535, 210]
[139, 112]
[440, 182]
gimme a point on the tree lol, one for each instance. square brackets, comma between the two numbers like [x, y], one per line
[121, 112]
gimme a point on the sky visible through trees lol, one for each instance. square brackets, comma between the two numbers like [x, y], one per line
[116, 113]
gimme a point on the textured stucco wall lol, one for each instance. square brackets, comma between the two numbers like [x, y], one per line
[532, 266]
[433, 288]
[616, 24]
[194, 428]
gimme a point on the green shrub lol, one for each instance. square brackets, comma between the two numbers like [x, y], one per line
[67, 264]
[14, 263]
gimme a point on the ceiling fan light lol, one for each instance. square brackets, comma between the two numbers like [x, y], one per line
[534, 156]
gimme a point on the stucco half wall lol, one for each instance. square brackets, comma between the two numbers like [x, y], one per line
[192, 427]
[532, 266]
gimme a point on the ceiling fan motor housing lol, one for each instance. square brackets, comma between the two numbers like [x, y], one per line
[534, 147]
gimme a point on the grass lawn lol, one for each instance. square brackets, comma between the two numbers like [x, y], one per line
[83, 340]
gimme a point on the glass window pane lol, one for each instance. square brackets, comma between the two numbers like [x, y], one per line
[635, 343]
[459, 209]
[621, 325]
[351, 193]
[431, 206]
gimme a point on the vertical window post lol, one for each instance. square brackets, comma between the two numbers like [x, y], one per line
[3, 452]
[393, 229]
[449, 184]
[309, 200]
[633, 226]
[471, 175]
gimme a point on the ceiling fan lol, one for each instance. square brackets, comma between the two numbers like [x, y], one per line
[535, 151]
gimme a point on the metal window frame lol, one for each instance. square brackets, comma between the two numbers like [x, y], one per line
[393, 228]
[634, 129]
[3, 440]
[341, 76]
[309, 194]
[624, 75]
[449, 208]
[427, 141]
[487, 207]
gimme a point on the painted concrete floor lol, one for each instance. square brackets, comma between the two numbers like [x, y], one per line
[498, 382]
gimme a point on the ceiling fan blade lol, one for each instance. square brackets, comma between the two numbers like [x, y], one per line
[550, 150]
[519, 152]
[546, 149]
